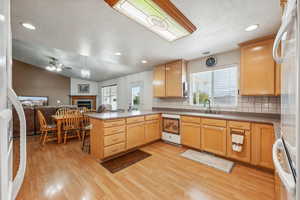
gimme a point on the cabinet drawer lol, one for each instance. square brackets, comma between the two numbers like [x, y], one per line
[190, 119]
[114, 149]
[214, 122]
[114, 130]
[114, 139]
[152, 117]
[134, 119]
[110, 123]
[239, 125]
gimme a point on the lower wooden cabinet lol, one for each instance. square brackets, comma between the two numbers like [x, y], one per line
[213, 139]
[135, 135]
[262, 142]
[190, 135]
[243, 129]
[152, 130]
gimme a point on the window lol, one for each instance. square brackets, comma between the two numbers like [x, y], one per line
[219, 86]
[109, 96]
[136, 96]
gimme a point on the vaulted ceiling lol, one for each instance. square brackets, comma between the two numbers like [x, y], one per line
[86, 34]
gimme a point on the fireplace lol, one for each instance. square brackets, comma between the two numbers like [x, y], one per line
[84, 101]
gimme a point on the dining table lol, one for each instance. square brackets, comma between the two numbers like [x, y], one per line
[59, 119]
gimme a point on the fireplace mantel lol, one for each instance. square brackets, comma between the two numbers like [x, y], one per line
[93, 98]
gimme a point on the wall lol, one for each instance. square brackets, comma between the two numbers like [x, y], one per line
[74, 86]
[124, 87]
[244, 103]
[29, 80]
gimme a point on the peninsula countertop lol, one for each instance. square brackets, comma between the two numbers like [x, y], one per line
[232, 116]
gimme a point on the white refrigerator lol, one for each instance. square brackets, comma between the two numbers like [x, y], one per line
[9, 185]
[287, 163]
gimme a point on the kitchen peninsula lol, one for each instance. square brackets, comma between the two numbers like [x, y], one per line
[116, 133]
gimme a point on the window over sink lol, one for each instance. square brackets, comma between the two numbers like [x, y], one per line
[220, 87]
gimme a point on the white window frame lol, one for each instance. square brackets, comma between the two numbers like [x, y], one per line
[133, 85]
[110, 95]
[212, 102]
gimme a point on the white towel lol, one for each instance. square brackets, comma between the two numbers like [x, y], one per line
[238, 139]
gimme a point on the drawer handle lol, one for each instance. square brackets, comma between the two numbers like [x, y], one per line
[212, 127]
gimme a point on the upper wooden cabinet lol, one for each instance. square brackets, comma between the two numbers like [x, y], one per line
[159, 79]
[262, 140]
[258, 69]
[169, 80]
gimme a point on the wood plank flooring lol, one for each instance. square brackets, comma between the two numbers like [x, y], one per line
[64, 172]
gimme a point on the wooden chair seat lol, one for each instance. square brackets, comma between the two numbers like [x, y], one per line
[46, 129]
[71, 124]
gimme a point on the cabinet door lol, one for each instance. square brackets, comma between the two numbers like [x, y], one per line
[262, 142]
[135, 135]
[213, 139]
[257, 69]
[245, 154]
[159, 77]
[190, 135]
[174, 79]
[152, 130]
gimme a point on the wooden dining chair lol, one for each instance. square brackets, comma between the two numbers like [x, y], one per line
[62, 111]
[85, 129]
[71, 125]
[46, 129]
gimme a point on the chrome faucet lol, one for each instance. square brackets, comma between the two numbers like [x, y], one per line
[209, 110]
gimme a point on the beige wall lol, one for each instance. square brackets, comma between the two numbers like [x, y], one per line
[29, 80]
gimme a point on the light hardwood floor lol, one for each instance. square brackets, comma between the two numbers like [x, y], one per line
[62, 172]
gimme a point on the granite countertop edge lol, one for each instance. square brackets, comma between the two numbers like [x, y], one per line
[236, 117]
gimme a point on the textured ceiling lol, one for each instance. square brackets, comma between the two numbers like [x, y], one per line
[68, 29]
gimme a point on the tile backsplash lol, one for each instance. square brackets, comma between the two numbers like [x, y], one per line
[253, 104]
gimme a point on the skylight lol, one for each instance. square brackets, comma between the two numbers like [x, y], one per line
[153, 17]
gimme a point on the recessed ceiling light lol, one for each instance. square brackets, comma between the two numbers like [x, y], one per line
[118, 53]
[144, 61]
[28, 26]
[2, 18]
[206, 53]
[252, 27]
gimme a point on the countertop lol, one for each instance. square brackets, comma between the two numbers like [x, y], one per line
[275, 121]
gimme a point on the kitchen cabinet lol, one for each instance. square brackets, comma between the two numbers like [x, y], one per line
[169, 80]
[213, 139]
[262, 141]
[159, 78]
[257, 69]
[135, 135]
[190, 134]
[175, 78]
[243, 129]
[152, 130]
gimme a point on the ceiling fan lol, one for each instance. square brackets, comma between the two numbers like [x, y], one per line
[55, 65]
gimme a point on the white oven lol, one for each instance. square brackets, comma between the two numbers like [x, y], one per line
[171, 128]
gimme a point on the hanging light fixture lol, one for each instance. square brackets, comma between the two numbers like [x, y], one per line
[85, 73]
[160, 16]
